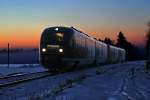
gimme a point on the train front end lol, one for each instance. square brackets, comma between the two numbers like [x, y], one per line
[53, 46]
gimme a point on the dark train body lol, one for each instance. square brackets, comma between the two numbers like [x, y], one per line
[68, 47]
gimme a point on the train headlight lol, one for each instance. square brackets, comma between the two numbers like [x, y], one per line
[56, 29]
[61, 50]
[44, 50]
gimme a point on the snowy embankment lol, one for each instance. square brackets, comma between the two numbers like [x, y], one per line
[126, 81]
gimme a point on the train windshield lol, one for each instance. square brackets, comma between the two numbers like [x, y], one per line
[55, 37]
[59, 36]
[52, 38]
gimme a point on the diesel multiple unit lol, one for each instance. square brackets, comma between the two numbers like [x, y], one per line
[67, 46]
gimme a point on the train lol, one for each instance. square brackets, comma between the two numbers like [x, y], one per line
[68, 47]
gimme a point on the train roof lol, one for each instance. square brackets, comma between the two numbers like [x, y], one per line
[79, 31]
[116, 47]
[57, 27]
[63, 27]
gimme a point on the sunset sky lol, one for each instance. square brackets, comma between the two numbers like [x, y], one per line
[22, 21]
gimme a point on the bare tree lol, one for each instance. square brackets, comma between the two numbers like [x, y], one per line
[148, 47]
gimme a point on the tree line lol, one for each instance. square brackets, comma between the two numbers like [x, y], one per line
[132, 52]
[17, 50]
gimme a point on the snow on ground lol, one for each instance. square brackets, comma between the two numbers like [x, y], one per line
[123, 84]
[19, 68]
[126, 81]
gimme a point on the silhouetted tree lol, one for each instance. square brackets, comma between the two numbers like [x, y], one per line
[100, 40]
[131, 50]
[121, 41]
[148, 48]
[108, 41]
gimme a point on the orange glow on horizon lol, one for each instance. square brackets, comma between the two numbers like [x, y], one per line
[32, 39]
[30, 43]
[20, 40]
[138, 39]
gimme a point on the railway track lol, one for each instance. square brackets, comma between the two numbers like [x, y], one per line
[18, 78]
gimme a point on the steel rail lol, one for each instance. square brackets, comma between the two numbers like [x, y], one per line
[15, 79]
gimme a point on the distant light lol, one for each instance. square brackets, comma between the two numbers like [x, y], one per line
[61, 50]
[56, 29]
[43, 50]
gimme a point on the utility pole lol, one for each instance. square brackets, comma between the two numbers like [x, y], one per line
[8, 54]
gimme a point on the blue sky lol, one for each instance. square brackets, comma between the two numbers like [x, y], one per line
[99, 18]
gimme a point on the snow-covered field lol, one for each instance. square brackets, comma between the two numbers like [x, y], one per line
[126, 81]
